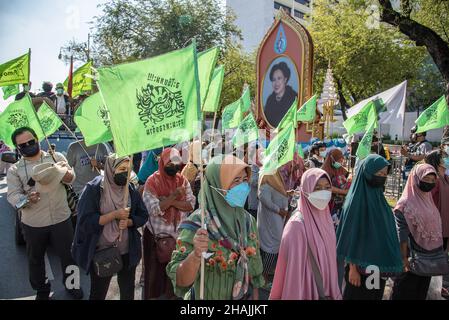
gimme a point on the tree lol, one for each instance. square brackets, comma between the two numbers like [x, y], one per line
[137, 29]
[366, 57]
[239, 70]
[427, 23]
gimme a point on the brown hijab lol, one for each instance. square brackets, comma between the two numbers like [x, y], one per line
[334, 155]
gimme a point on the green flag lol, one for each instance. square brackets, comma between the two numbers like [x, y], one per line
[18, 114]
[307, 112]
[9, 91]
[434, 117]
[80, 82]
[206, 64]
[290, 117]
[246, 100]
[50, 121]
[92, 119]
[232, 115]
[214, 92]
[154, 102]
[247, 131]
[361, 120]
[15, 71]
[280, 150]
[364, 148]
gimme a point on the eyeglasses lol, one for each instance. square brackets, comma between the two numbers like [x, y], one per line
[26, 144]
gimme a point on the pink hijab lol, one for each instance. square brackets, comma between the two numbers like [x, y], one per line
[294, 279]
[419, 210]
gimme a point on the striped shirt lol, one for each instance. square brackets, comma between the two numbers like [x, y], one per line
[157, 216]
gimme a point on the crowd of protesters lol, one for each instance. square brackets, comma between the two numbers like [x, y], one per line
[310, 231]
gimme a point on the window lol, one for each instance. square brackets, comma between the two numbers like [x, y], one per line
[304, 2]
[277, 5]
[299, 14]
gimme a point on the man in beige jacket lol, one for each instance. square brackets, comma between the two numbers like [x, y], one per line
[36, 187]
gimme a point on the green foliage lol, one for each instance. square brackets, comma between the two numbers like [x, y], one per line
[368, 56]
[239, 69]
[131, 30]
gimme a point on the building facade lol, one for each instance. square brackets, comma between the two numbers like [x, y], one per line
[254, 17]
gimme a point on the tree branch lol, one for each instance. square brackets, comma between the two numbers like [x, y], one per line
[422, 35]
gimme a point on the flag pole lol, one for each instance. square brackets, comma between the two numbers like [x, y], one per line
[79, 142]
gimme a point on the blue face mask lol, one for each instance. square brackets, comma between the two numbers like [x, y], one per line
[236, 197]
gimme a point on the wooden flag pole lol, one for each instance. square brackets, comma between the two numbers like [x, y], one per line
[79, 142]
[202, 206]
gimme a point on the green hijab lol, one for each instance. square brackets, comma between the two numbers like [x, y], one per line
[230, 226]
[367, 232]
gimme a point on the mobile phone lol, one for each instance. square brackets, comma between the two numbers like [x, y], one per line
[22, 203]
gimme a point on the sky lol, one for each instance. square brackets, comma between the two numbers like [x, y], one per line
[44, 26]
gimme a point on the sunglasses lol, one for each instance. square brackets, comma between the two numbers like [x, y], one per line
[26, 144]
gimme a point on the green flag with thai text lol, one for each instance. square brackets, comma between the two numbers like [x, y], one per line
[154, 102]
[362, 120]
[247, 131]
[20, 113]
[50, 121]
[307, 112]
[280, 150]
[92, 119]
[80, 82]
[434, 117]
[232, 115]
[15, 71]
[364, 147]
[290, 117]
[9, 91]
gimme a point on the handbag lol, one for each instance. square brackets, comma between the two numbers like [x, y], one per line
[107, 262]
[72, 198]
[428, 263]
[165, 245]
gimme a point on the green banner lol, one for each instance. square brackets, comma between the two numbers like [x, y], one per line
[246, 100]
[290, 117]
[213, 95]
[364, 148]
[247, 131]
[280, 150]
[9, 91]
[50, 121]
[80, 82]
[15, 71]
[154, 102]
[434, 117]
[206, 65]
[307, 112]
[361, 120]
[92, 119]
[232, 115]
[18, 114]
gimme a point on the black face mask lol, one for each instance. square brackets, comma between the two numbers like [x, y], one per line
[377, 181]
[30, 151]
[172, 170]
[121, 178]
[426, 186]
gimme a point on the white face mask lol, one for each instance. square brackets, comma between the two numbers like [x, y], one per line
[320, 199]
[323, 154]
